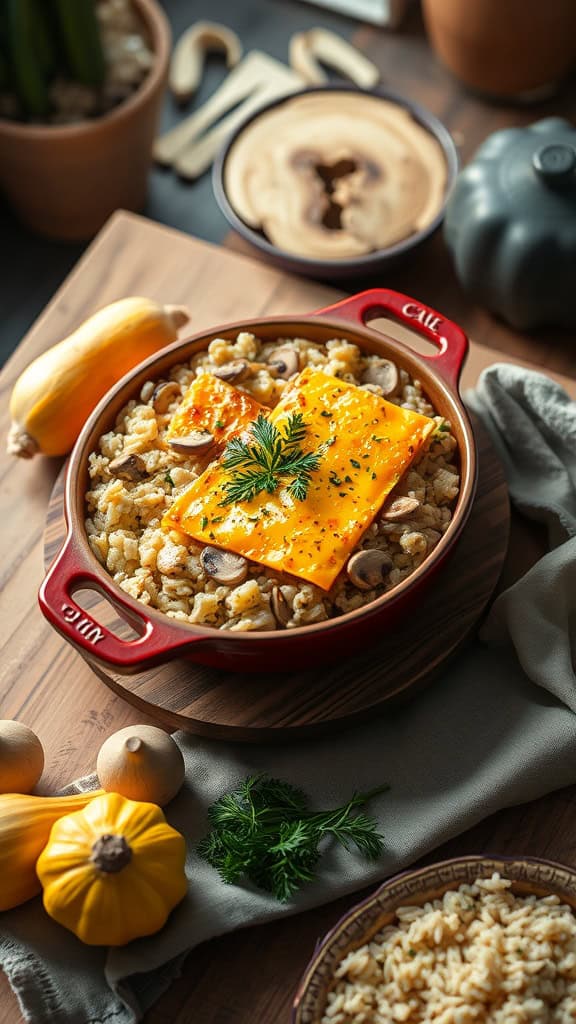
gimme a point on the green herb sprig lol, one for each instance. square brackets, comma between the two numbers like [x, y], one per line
[264, 831]
[272, 455]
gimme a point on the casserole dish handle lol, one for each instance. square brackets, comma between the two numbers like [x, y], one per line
[446, 335]
[155, 642]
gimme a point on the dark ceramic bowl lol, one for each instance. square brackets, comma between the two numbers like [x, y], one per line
[359, 266]
[529, 875]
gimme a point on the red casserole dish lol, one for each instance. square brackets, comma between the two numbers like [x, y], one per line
[160, 638]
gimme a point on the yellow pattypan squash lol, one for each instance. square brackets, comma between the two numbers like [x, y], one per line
[113, 871]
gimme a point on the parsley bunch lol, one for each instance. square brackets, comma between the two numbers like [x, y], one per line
[272, 455]
[264, 831]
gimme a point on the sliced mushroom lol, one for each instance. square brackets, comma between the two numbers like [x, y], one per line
[368, 569]
[236, 370]
[224, 566]
[383, 373]
[188, 56]
[318, 44]
[196, 443]
[147, 391]
[280, 607]
[164, 394]
[400, 508]
[285, 362]
[128, 467]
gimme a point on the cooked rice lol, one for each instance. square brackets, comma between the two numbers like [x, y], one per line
[162, 569]
[478, 954]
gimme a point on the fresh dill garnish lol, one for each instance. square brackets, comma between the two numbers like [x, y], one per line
[264, 831]
[355, 463]
[219, 424]
[204, 522]
[168, 478]
[263, 462]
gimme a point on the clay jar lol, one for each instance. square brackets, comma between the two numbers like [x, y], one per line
[505, 48]
[64, 181]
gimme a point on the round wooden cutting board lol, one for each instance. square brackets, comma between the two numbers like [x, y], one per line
[258, 708]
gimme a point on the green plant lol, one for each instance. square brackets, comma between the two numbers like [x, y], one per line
[43, 39]
[273, 455]
[265, 831]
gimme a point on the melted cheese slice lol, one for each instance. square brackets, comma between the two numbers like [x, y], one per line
[369, 445]
[213, 405]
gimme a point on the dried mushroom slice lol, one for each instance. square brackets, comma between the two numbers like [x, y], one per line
[195, 443]
[224, 566]
[280, 607]
[232, 372]
[166, 392]
[368, 569]
[384, 374]
[284, 362]
[128, 467]
[400, 508]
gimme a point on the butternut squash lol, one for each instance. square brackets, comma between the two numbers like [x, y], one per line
[25, 823]
[113, 871]
[56, 393]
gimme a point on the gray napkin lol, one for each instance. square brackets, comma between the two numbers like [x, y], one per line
[497, 729]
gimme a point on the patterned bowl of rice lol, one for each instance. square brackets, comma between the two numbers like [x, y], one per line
[242, 600]
[474, 940]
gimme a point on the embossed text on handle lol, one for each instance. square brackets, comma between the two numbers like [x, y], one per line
[89, 630]
[423, 316]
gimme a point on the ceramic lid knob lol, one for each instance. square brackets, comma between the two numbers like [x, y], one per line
[555, 163]
[511, 224]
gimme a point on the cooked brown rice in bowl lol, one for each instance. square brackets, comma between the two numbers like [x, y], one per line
[480, 954]
[164, 569]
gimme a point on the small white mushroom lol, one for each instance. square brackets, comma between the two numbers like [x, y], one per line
[280, 607]
[400, 508]
[128, 467]
[224, 566]
[236, 370]
[196, 443]
[284, 362]
[383, 373]
[368, 569]
[164, 394]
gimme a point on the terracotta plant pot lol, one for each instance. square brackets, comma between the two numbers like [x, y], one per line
[64, 181]
[517, 49]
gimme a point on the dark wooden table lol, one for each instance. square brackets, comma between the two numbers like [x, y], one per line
[248, 977]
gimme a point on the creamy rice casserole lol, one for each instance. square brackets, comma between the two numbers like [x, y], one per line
[478, 955]
[139, 472]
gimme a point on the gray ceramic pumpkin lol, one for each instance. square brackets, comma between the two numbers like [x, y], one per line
[511, 224]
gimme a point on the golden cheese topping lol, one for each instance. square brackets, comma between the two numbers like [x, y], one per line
[366, 444]
[212, 405]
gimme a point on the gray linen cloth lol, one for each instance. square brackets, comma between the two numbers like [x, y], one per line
[496, 729]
